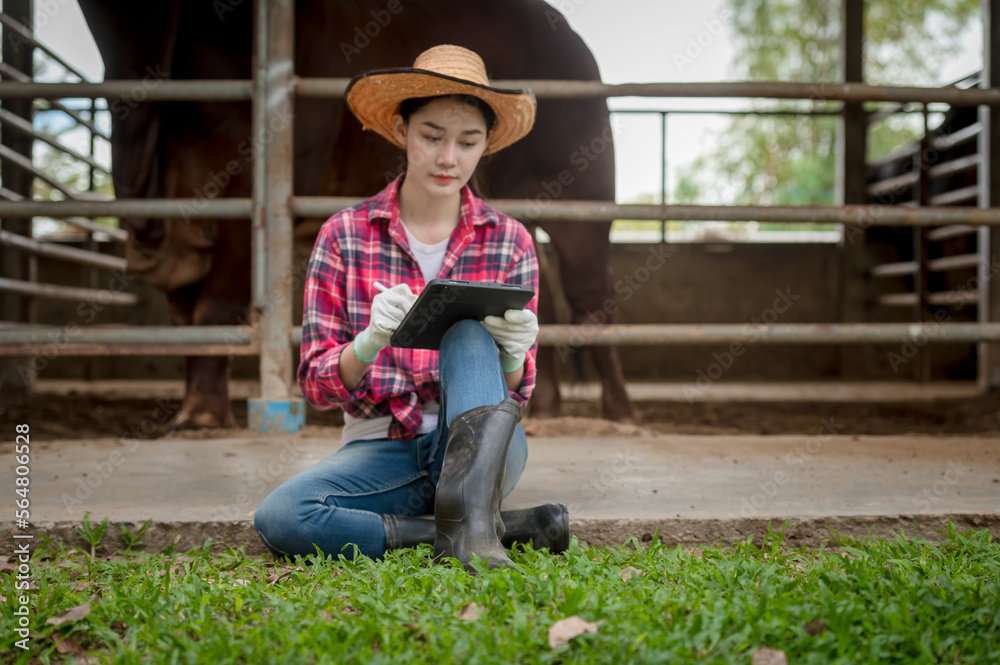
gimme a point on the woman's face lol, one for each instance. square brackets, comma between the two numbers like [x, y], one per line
[444, 140]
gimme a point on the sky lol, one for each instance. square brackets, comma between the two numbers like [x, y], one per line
[632, 40]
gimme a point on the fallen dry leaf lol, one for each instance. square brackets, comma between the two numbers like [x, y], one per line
[67, 645]
[72, 614]
[276, 576]
[564, 630]
[767, 656]
[816, 627]
[470, 612]
[629, 571]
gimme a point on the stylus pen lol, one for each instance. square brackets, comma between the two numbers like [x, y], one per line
[380, 286]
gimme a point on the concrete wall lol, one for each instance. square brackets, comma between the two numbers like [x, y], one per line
[681, 283]
[727, 283]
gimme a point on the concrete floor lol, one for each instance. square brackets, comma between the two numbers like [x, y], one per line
[689, 489]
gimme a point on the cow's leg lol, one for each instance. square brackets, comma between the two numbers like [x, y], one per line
[221, 300]
[546, 402]
[206, 389]
[206, 385]
[587, 283]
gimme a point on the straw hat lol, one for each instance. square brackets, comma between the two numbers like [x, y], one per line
[374, 96]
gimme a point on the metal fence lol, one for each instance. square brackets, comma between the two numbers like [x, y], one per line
[273, 206]
[88, 256]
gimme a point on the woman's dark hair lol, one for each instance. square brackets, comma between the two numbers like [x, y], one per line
[409, 106]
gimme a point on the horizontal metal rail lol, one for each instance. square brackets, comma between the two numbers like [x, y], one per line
[592, 211]
[54, 251]
[902, 181]
[955, 139]
[940, 143]
[240, 90]
[26, 164]
[72, 293]
[20, 78]
[22, 125]
[949, 232]
[962, 84]
[957, 262]
[585, 211]
[852, 92]
[134, 90]
[951, 167]
[940, 299]
[899, 269]
[892, 158]
[120, 235]
[237, 340]
[747, 333]
[956, 196]
[125, 334]
[225, 208]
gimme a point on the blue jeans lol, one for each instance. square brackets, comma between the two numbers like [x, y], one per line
[338, 501]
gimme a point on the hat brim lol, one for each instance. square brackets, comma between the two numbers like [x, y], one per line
[374, 97]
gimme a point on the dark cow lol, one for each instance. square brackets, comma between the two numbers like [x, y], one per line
[189, 149]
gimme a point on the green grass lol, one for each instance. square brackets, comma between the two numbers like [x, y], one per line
[897, 600]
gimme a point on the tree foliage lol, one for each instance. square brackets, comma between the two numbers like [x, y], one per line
[789, 160]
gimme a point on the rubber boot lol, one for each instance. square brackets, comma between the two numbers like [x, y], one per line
[467, 500]
[546, 527]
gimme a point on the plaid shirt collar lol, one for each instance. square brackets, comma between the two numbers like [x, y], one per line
[384, 206]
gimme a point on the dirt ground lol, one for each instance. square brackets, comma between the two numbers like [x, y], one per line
[70, 414]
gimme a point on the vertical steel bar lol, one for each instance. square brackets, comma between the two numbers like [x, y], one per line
[663, 171]
[17, 53]
[259, 123]
[90, 276]
[851, 185]
[988, 369]
[921, 197]
[276, 409]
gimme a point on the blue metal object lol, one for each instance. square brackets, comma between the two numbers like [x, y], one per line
[276, 416]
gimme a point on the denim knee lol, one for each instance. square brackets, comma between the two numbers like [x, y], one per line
[467, 331]
[276, 523]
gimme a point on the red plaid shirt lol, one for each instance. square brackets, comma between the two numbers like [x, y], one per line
[367, 243]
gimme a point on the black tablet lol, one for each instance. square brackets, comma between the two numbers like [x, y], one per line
[443, 302]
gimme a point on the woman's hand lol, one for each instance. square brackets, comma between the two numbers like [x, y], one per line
[388, 309]
[515, 332]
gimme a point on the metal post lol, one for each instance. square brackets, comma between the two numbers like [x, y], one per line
[851, 186]
[663, 171]
[18, 53]
[90, 275]
[276, 410]
[922, 368]
[988, 374]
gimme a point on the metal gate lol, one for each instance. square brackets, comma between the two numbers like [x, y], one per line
[273, 206]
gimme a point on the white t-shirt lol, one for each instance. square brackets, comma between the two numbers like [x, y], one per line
[429, 258]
